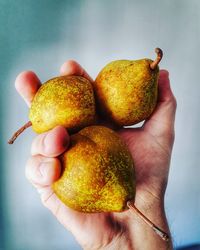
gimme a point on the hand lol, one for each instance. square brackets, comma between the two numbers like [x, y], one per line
[150, 146]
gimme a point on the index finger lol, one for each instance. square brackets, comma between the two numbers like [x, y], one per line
[27, 84]
[71, 67]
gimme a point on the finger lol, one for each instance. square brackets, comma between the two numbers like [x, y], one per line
[42, 171]
[27, 84]
[71, 67]
[164, 90]
[166, 106]
[161, 122]
[52, 143]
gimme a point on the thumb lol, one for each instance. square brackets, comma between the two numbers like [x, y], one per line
[51, 143]
[164, 89]
[161, 122]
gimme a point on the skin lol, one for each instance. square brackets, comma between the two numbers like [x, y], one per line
[151, 147]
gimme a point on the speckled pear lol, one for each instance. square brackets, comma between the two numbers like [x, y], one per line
[65, 100]
[98, 172]
[126, 91]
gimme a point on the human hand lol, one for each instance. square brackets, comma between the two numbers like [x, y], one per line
[106, 230]
[151, 145]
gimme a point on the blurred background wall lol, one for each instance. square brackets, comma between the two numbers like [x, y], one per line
[40, 36]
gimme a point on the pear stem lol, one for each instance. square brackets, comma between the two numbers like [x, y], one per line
[155, 63]
[19, 131]
[156, 229]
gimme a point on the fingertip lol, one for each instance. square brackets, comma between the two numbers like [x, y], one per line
[70, 67]
[56, 141]
[163, 81]
[164, 73]
[27, 83]
[25, 79]
[165, 93]
[52, 143]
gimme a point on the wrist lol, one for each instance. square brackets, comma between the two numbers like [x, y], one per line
[123, 241]
[141, 234]
[138, 235]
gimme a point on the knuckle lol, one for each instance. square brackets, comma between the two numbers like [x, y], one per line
[37, 146]
[32, 172]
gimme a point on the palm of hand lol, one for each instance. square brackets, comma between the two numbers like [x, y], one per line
[151, 166]
[151, 158]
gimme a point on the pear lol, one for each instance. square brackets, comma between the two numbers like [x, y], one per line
[64, 100]
[98, 175]
[98, 172]
[126, 90]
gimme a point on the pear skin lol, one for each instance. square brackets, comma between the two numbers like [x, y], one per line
[98, 172]
[126, 91]
[65, 100]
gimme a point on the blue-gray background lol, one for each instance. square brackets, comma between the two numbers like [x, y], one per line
[41, 35]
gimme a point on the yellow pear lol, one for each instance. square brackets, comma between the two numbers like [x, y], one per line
[126, 90]
[98, 172]
[64, 100]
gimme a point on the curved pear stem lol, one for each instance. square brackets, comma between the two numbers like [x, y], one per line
[19, 131]
[155, 63]
[156, 229]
